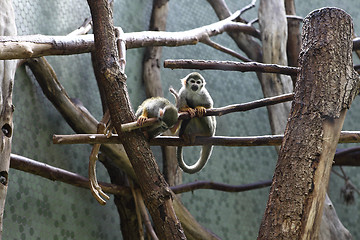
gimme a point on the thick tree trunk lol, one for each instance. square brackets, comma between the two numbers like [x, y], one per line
[7, 72]
[325, 88]
[154, 188]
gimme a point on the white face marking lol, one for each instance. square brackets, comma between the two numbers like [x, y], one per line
[194, 84]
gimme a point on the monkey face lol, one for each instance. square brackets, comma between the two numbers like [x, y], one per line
[195, 84]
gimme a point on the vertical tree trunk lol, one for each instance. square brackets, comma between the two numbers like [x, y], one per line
[153, 86]
[273, 28]
[294, 37]
[155, 190]
[324, 90]
[7, 72]
[152, 55]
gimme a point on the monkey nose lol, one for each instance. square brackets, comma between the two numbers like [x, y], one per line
[194, 87]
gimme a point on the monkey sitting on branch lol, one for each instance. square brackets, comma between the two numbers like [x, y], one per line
[195, 99]
[160, 108]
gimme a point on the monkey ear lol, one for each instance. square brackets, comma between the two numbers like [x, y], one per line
[183, 81]
[161, 112]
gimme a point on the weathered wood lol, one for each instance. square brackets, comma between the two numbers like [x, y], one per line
[335, 230]
[230, 66]
[72, 110]
[156, 192]
[324, 91]
[294, 36]
[18, 47]
[273, 25]
[265, 140]
[7, 73]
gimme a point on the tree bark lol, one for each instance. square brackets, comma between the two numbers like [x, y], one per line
[156, 192]
[153, 86]
[331, 228]
[273, 25]
[7, 73]
[325, 88]
[294, 37]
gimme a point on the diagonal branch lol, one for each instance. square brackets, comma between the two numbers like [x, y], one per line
[57, 174]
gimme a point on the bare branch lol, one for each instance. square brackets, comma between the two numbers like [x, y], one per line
[57, 174]
[248, 7]
[188, 187]
[265, 140]
[19, 47]
[144, 214]
[221, 48]
[230, 66]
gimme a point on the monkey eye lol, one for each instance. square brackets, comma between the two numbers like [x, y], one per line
[198, 82]
[192, 81]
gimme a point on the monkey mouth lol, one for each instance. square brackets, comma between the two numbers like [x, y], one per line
[194, 88]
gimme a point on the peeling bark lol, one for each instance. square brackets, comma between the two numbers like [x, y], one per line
[324, 91]
[7, 73]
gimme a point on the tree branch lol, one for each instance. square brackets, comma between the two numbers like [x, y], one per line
[19, 47]
[189, 187]
[230, 66]
[267, 140]
[156, 192]
[57, 174]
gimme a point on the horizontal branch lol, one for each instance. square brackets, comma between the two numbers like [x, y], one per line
[218, 186]
[230, 66]
[57, 174]
[267, 140]
[20, 47]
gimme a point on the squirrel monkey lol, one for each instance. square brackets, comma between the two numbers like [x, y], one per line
[195, 99]
[160, 108]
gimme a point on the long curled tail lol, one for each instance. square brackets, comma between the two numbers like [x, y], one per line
[205, 154]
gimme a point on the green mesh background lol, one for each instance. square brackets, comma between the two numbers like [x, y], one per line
[37, 208]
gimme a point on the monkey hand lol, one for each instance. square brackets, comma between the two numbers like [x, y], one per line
[200, 111]
[191, 111]
[141, 120]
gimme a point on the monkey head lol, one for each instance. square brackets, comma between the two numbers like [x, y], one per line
[194, 82]
[169, 115]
